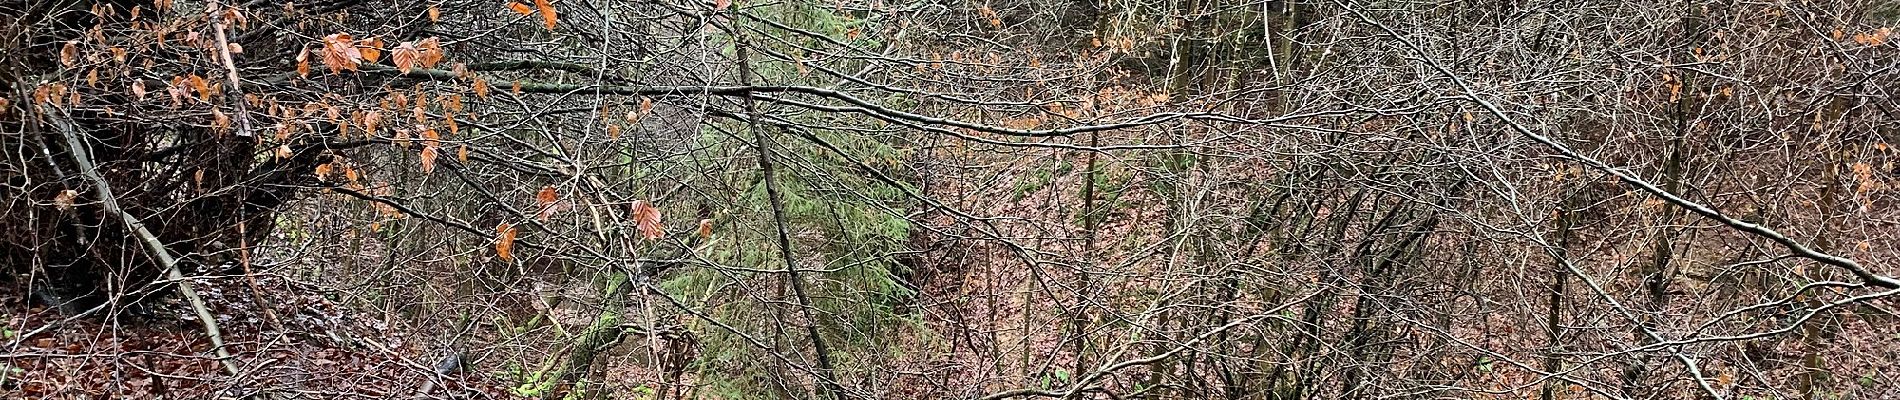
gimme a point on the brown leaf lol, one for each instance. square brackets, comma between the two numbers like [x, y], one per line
[546, 7]
[405, 57]
[219, 121]
[370, 121]
[505, 241]
[428, 159]
[519, 8]
[546, 201]
[431, 51]
[69, 55]
[435, 14]
[340, 52]
[303, 63]
[199, 84]
[481, 88]
[648, 220]
[430, 137]
[65, 199]
[705, 228]
[371, 48]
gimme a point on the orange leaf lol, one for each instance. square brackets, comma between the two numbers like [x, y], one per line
[199, 84]
[431, 51]
[648, 220]
[372, 49]
[481, 88]
[340, 52]
[219, 121]
[435, 14]
[430, 137]
[462, 154]
[370, 120]
[405, 57]
[721, 5]
[505, 241]
[705, 228]
[69, 55]
[428, 159]
[519, 8]
[546, 7]
[545, 199]
[303, 63]
[547, 196]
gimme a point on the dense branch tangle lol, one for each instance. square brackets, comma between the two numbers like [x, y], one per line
[1189, 198]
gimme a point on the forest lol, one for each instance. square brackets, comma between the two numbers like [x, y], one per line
[949, 199]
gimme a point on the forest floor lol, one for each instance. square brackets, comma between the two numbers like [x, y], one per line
[319, 351]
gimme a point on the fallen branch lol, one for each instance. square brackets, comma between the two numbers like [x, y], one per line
[83, 158]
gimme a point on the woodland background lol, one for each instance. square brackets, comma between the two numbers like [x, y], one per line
[1112, 199]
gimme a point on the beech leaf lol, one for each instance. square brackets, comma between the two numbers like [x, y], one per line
[546, 7]
[505, 241]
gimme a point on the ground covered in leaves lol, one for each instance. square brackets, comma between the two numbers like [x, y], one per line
[306, 347]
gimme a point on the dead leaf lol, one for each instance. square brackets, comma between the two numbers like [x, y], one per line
[546, 7]
[481, 88]
[430, 50]
[546, 201]
[340, 52]
[65, 199]
[405, 57]
[647, 219]
[519, 8]
[505, 241]
[371, 48]
[428, 159]
[303, 63]
[69, 55]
